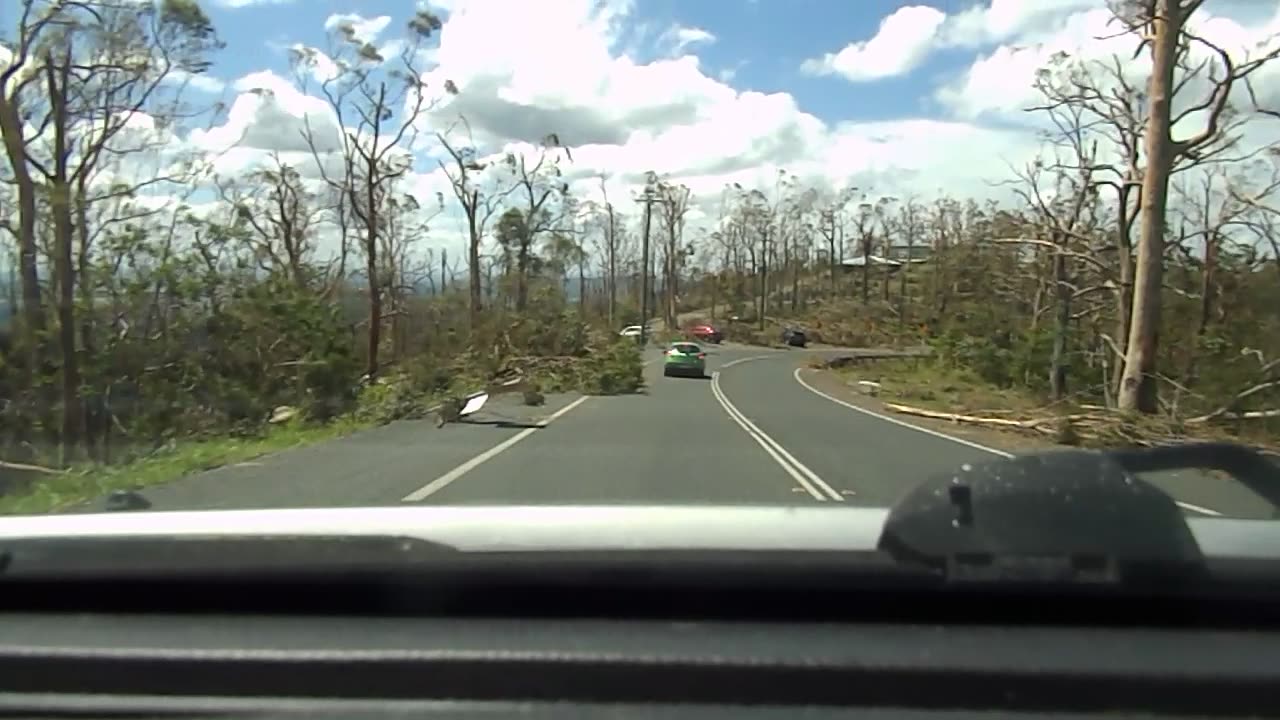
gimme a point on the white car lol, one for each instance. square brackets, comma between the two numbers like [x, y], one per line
[631, 331]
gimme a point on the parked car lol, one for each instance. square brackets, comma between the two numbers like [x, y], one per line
[794, 337]
[706, 333]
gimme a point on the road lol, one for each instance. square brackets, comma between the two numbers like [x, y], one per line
[754, 432]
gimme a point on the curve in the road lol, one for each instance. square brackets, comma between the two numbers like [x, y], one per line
[804, 477]
[1199, 509]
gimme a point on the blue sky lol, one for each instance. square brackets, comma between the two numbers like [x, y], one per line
[895, 97]
[760, 44]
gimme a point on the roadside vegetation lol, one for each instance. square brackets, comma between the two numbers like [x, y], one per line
[164, 319]
[1116, 300]
[162, 315]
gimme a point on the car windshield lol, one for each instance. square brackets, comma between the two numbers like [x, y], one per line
[269, 255]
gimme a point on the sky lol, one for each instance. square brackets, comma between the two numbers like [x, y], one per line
[893, 97]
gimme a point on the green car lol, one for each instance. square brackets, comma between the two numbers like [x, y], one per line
[685, 358]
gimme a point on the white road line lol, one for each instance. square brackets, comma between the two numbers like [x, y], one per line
[805, 477]
[443, 481]
[1184, 505]
[896, 421]
[731, 363]
[1198, 508]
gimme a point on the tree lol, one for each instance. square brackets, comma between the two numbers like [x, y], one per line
[1163, 24]
[610, 254]
[675, 204]
[478, 204]
[101, 66]
[281, 212]
[544, 194]
[377, 110]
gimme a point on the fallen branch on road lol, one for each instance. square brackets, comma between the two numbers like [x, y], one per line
[1046, 424]
[24, 467]
[1107, 429]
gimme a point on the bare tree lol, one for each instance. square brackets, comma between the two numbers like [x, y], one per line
[544, 193]
[609, 253]
[675, 206]
[281, 214]
[1163, 25]
[377, 107]
[478, 204]
[101, 66]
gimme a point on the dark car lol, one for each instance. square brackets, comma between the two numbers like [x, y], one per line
[794, 337]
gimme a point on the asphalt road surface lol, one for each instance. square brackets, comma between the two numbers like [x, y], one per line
[753, 432]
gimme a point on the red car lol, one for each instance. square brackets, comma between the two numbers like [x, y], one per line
[705, 333]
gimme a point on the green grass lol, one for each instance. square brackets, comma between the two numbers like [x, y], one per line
[930, 385]
[617, 369]
[83, 484]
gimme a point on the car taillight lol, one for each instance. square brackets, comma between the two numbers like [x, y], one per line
[702, 356]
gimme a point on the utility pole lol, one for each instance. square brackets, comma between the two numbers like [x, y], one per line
[647, 198]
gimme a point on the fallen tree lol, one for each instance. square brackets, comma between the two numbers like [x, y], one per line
[1097, 429]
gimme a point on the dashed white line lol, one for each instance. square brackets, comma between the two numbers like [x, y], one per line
[1184, 505]
[444, 480]
[803, 476]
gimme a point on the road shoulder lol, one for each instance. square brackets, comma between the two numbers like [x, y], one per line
[831, 383]
[375, 466]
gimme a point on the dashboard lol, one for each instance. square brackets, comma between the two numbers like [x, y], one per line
[162, 665]
[1048, 586]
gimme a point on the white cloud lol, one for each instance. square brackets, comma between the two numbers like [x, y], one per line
[269, 115]
[999, 84]
[901, 44]
[674, 116]
[364, 30]
[196, 81]
[624, 118]
[682, 38]
[1007, 19]
[235, 4]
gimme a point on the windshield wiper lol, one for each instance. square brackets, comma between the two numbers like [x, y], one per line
[1248, 467]
[1074, 517]
[126, 500]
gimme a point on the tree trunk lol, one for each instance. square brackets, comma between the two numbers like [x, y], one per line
[582, 283]
[764, 276]
[522, 274]
[867, 269]
[644, 272]
[1138, 388]
[473, 257]
[1124, 293]
[1061, 327]
[613, 274]
[28, 256]
[64, 269]
[375, 292]
[94, 412]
